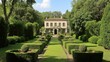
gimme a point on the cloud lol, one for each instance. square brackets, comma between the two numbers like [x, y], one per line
[0, 1]
[45, 4]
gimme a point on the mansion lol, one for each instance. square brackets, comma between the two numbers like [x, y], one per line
[56, 25]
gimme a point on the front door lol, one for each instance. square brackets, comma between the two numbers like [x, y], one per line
[55, 31]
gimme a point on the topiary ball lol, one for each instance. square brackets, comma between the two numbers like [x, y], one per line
[82, 48]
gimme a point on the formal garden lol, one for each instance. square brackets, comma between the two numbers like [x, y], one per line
[23, 37]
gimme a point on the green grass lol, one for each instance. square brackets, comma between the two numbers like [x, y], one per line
[54, 53]
[16, 46]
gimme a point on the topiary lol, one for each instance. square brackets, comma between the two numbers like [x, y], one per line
[82, 48]
[24, 48]
[93, 39]
[99, 42]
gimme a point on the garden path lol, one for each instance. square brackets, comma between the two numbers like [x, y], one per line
[54, 52]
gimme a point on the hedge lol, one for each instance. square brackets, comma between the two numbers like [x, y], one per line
[16, 28]
[15, 39]
[37, 45]
[96, 56]
[29, 31]
[17, 56]
[71, 47]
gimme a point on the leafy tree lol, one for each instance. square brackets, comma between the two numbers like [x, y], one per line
[105, 27]
[55, 14]
[86, 10]
[4, 22]
[93, 27]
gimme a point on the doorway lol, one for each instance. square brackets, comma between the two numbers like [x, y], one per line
[55, 31]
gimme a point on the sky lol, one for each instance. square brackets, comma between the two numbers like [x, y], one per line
[52, 5]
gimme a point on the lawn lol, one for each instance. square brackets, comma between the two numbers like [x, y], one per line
[15, 46]
[54, 52]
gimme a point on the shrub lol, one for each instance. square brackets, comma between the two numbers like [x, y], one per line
[93, 39]
[71, 47]
[17, 56]
[29, 31]
[99, 42]
[36, 27]
[82, 48]
[48, 37]
[12, 40]
[84, 38]
[60, 37]
[24, 48]
[3, 32]
[95, 56]
[15, 39]
[16, 28]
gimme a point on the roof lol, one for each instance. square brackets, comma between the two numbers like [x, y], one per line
[55, 19]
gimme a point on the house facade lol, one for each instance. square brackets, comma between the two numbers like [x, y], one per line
[56, 25]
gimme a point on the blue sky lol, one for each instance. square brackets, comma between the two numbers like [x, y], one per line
[52, 5]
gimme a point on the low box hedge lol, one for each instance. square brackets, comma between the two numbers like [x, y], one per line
[95, 56]
[38, 45]
[17, 56]
[72, 46]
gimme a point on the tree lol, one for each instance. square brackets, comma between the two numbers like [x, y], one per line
[55, 14]
[7, 16]
[5, 21]
[86, 10]
[105, 27]
[66, 15]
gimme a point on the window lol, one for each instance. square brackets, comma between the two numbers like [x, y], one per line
[51, 24]
[63, 24]
[47, 24]
[55, 24]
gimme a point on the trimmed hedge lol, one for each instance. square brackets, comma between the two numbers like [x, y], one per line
[3, 32]
[29, 31]
[17, 56]
[71, 46]
[96, 56]
[15, 39]
[37, 45]
[16, 28]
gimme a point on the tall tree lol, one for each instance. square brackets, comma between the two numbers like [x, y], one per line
[105, 27]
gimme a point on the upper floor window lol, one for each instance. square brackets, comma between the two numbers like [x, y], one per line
[55, 24]
[47, 24]
[63, 24]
